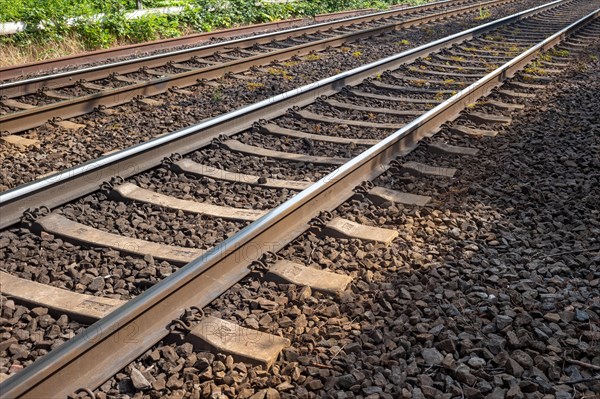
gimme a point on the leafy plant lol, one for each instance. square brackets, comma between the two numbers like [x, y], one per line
[312, 57]
[217, 96]
[559, 53]
[484, 13]
[254, 85]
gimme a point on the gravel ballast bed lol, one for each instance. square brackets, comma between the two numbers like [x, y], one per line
[93, 271]
[491, 291]
[217, 192]
[151, 223]
[331, 129]
[27, 333]
[301, 146]
[259, 166]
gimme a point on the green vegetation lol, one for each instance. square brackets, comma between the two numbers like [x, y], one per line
[490, 67]
[217, 96]
[484, 13]
[545, 57]
[535, 68]
[312, 57]
[495, 38]
[280, 72]
[559, 53]
[254, 85]
[440, 96]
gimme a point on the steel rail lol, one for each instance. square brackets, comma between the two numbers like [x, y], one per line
[143, 321]
[78, 181]
[23, 120]
[32, 85]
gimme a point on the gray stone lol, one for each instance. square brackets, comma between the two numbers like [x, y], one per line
[432, 356]
[581, 315]
[139, 381]
[514, 368]
[503, 321]
[346, 381]
[476, 362]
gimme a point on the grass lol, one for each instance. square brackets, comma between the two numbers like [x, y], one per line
[495, 37]
[559, 53]
[439, 96]
[217, 96]
[254, 85]
[484, 13]
[545, 57]
[312, 57]
[14, 55]
[280, 72]
[535, 68]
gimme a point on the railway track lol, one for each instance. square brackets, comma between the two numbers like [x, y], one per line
[32, 102]
[306, 160]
